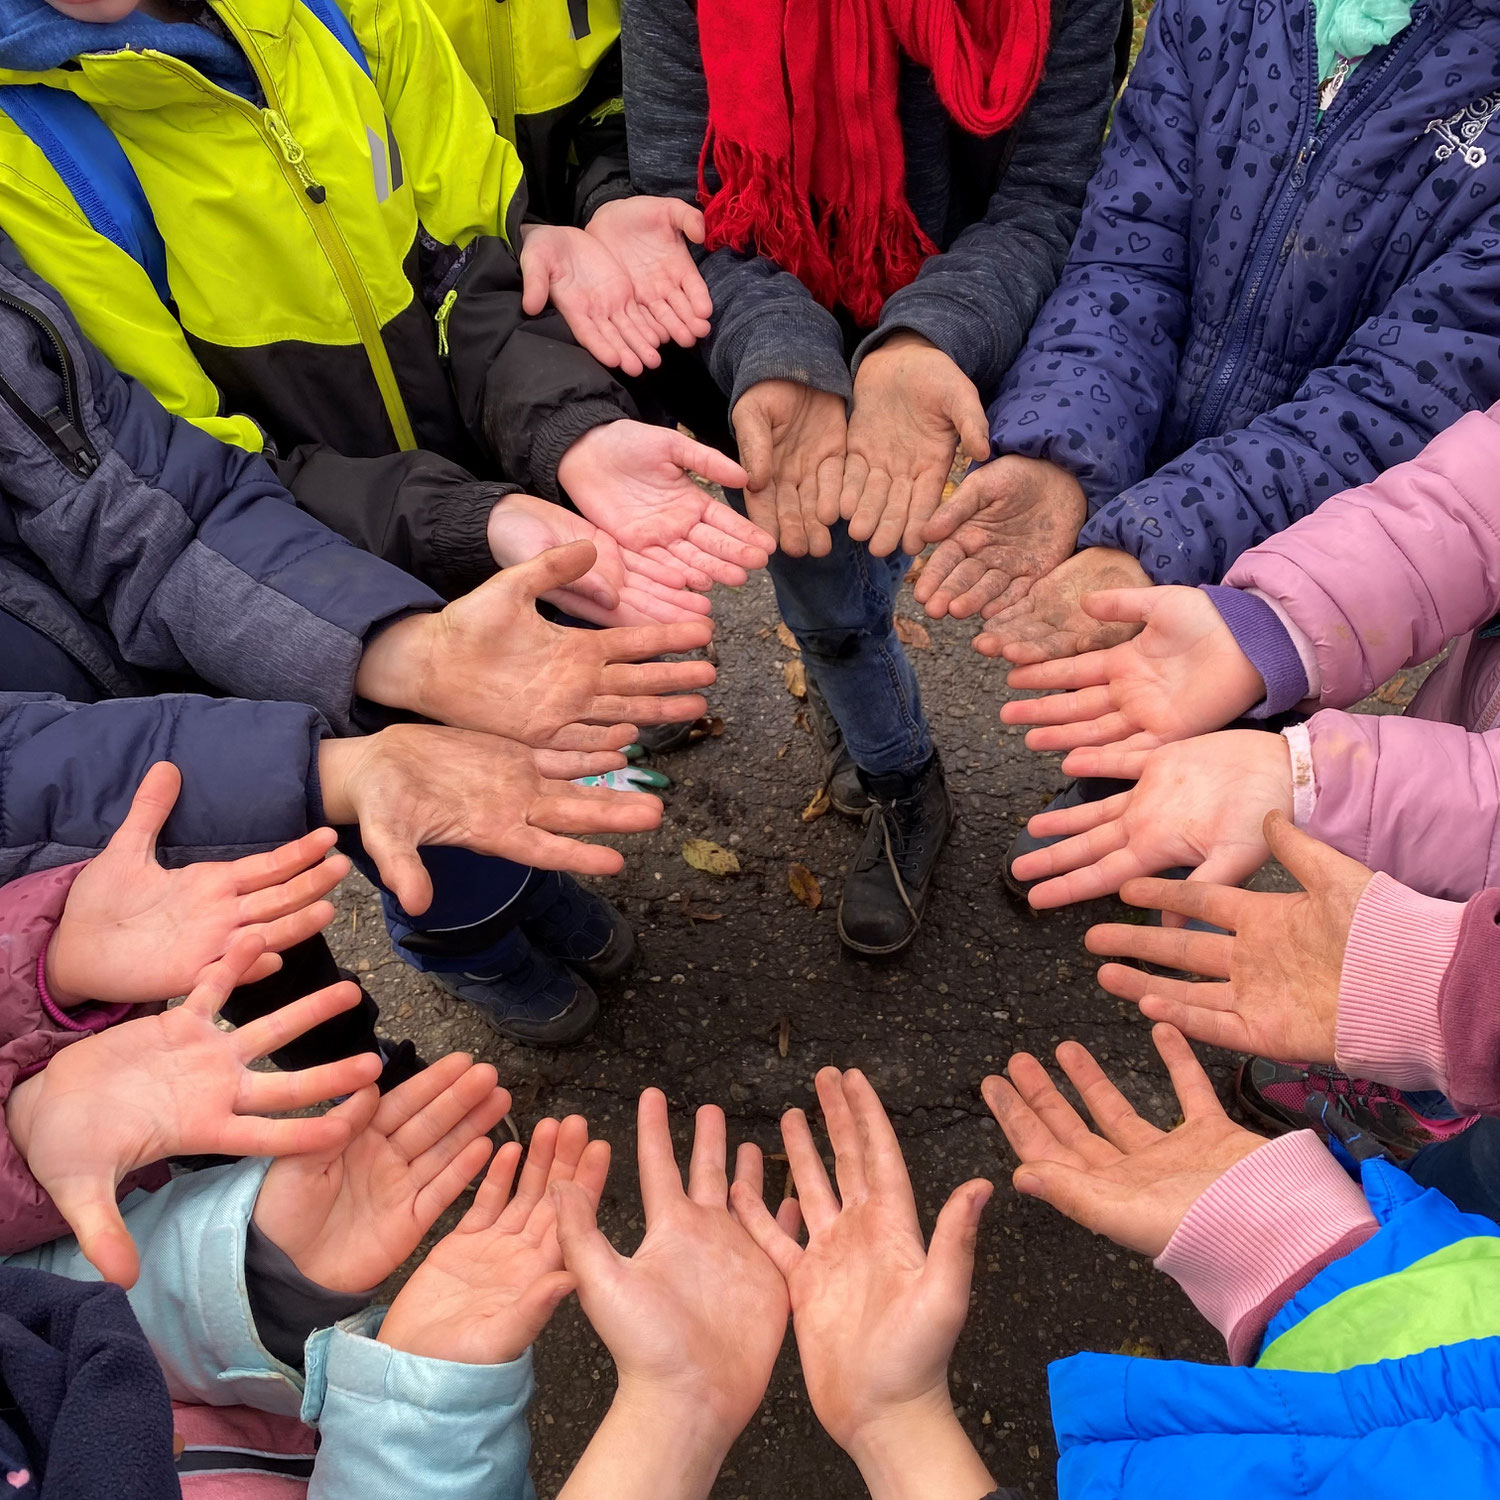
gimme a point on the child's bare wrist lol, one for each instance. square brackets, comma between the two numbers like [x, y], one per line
[919, 1448]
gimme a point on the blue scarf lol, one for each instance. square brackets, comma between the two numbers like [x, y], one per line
[34, 37]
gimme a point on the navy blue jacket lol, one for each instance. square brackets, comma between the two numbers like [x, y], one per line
[1263, 307]
[146, 566]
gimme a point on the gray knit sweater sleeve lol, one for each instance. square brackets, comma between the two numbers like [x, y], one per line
[978, 300]
[766, 325]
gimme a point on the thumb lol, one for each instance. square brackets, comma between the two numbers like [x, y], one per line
[950, 1257]
[535, 1306]
[401, 870]
[689, 220]
[1070, 1190]
[699, 458]
[536, 276]
[588, 1256]
[153, 802]
[1313, 864]
[92, 1214]
[1223, 865]
[217, 982]
[552, 569]
[1133, 606]
[753, 432]
[966, 412]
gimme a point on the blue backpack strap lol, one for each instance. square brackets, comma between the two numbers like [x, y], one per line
[328, 12]
[85, 154]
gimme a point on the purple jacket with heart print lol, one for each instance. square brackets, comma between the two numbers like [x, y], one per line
[1266, 304]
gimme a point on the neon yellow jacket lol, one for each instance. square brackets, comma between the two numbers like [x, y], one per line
[549, 74]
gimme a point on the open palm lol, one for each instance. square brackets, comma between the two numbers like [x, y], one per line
[168, 1085]
[485, 1291]
[133, 931]
[649, 237]
[349, 1216]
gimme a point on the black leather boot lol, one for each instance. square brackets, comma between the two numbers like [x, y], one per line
[906, 827]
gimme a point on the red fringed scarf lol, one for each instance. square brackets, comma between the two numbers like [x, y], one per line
[804, 134]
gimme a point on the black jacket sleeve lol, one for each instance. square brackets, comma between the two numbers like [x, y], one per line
[525, 389]
[423, 513]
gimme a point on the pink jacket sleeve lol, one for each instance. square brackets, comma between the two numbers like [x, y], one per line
[1381, 577]
[1417, 799]
[32, 1031]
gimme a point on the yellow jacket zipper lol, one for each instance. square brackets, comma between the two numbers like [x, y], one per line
[277, 134]
[444, 312]
[498, 27]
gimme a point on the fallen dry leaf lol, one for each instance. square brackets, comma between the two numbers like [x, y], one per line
[698, 914]
[787, 639]
[819, 805]
[796, 678]
[1139, 1348]
[803, 722]
[783, 1035]
[804, 886]
[785, 750]
[1393, 690]
[706, 729]
[913, 633]
[711, 858]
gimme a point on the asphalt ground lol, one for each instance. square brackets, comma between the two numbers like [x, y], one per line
[742, 992]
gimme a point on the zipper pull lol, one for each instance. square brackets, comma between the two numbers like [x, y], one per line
[1304, 160]
[443, 313]
[294, 155]
[82, 458]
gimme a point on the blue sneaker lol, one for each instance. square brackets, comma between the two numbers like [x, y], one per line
[529, 998]
[577, 927]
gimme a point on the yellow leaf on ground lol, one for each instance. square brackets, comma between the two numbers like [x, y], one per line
[711, 858]
[913, 633]
[796, 678]
[787, 639]
[819, 805]
[804, 886]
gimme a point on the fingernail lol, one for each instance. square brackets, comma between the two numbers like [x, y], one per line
[1026, 1183]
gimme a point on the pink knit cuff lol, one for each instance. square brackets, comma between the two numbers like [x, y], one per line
[1262, 1232]
[1307, 653]
[1400, 946]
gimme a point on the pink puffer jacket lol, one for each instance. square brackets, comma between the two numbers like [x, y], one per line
[1377, 579]
[32, 1031]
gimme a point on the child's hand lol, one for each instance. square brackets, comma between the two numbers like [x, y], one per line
[169, 1085]
[487, 1290]
[693, 1320]
[1184, 674]
[876, 1313]
[1130, 1181]
[350, 1214]
[649, 237]
[132, 931]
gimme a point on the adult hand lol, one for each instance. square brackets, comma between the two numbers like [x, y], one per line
[693, 1320]
[621, 589]
[876, 1313]
[132, 931]
[347, 1217]
[912, 408]
[1200, 802]
[1129, 1181]
[169, 1085]
[1279, 974]
[1007, 525]
[490, 662]
[485, 1291]
[635, 482]
[1182, 675]
[791, 439]
[649, 238]
[593, 292]
[1051, 621]
[417, 784]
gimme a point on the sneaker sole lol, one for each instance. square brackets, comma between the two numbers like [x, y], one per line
[582, 1017]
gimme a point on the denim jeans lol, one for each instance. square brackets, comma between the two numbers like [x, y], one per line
[841, 610]
[1465, 1169]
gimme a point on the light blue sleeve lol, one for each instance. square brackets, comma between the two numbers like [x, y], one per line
[191, 1298]
[395, 1426]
